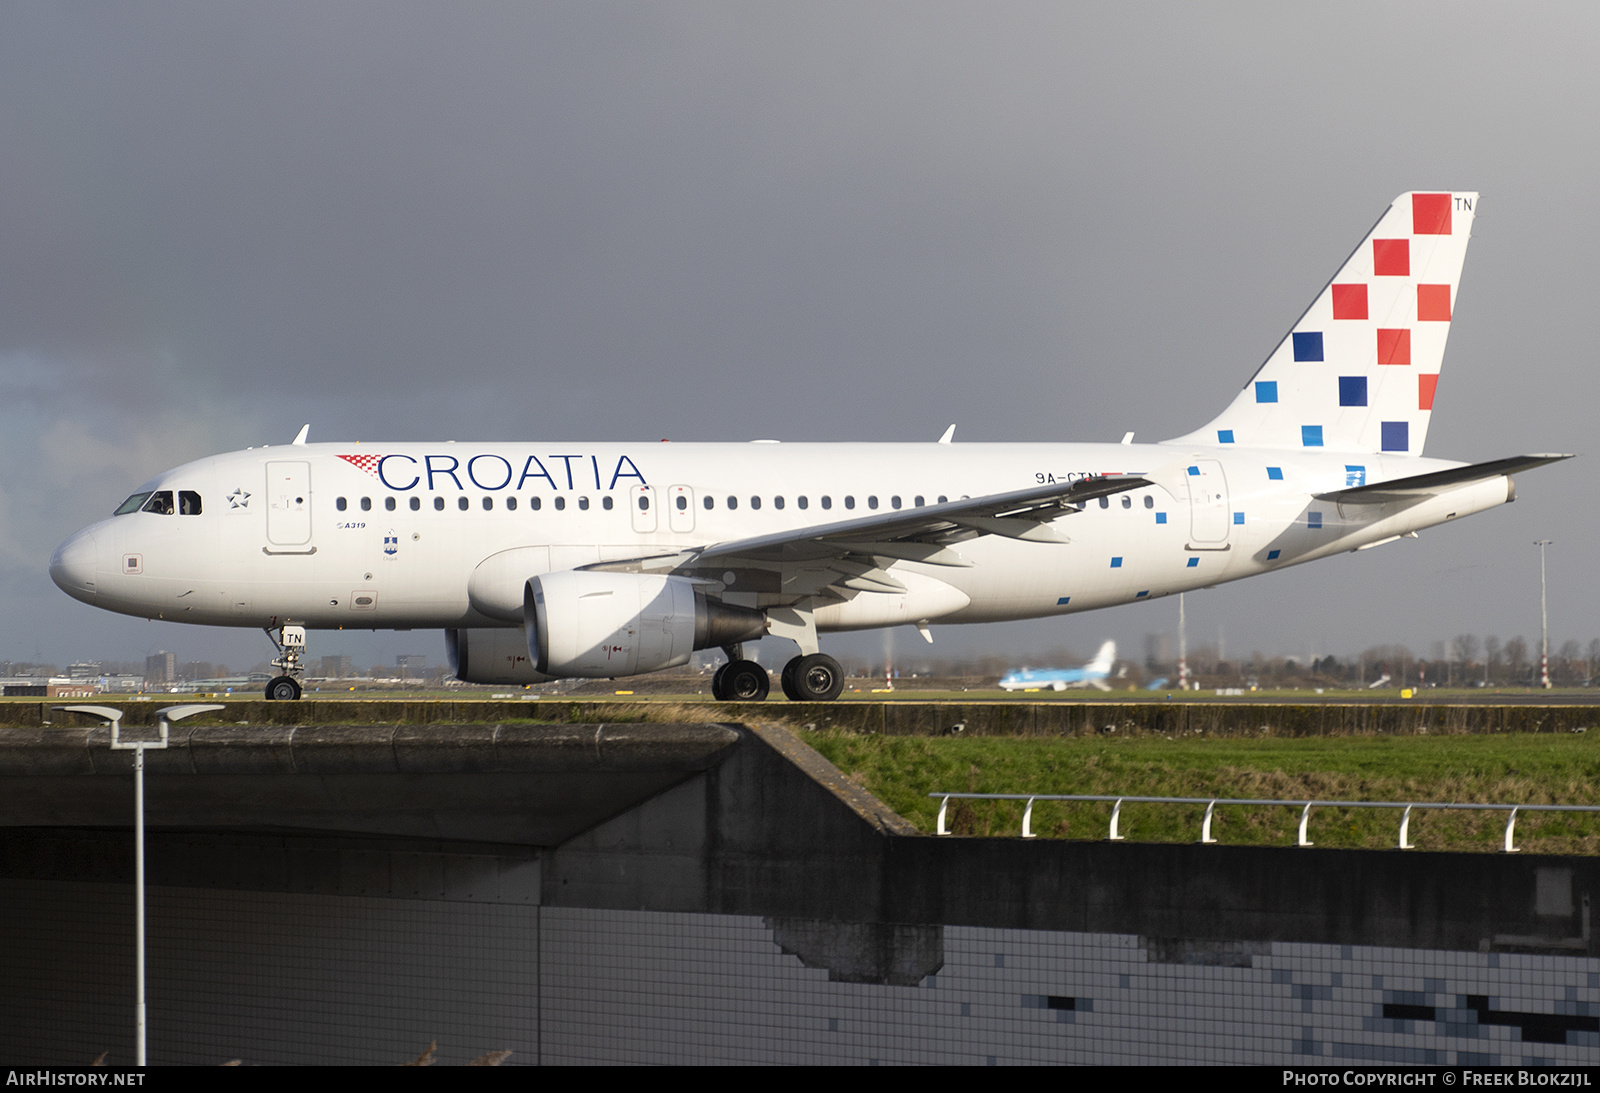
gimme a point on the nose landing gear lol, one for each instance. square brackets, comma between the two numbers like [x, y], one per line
[291, 643]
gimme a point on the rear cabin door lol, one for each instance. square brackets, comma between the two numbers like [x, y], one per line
[1208, 505]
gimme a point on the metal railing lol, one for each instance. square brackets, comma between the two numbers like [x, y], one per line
[1211, 804]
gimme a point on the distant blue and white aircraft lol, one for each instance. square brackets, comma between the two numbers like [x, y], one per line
[1092, 674]
[546, 560]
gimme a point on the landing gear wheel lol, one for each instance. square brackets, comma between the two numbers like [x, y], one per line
[745, 681]
[814, 678]
[283, 689]
[787, 681]
[719, 688]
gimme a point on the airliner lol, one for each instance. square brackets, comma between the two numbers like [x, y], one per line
[551, 560]
[1092, 674]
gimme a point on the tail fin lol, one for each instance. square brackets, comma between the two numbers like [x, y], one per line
[1104, 658]
[1359, 370]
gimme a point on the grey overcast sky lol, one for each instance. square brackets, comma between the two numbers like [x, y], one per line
[817, 221]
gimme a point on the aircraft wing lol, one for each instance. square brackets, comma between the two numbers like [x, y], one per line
[855, 553]
[1419, 486]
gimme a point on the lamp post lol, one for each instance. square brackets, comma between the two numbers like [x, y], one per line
[112, 716]
[1544, 620]
[1183, 649]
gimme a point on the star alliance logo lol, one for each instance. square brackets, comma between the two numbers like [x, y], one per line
[238, 499]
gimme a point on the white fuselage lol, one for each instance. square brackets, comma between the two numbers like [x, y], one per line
[415, 535]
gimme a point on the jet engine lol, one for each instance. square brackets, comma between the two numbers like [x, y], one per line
[491, 656]
[600, 625]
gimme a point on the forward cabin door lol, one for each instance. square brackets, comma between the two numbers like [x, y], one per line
[289, 505]
[1208, 505]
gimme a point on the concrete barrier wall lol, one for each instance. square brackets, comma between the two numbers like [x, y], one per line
[903, 718]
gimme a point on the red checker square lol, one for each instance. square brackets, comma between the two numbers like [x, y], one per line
[1391, 257]
[1394, 346]
[1430, 214]
[1349, 301]
[1426, 386]
[1433, 303]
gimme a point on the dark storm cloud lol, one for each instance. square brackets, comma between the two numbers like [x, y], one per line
[731, 220]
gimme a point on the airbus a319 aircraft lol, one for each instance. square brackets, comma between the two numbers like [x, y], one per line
[573, 559]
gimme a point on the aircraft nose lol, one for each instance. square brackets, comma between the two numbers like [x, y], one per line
[73, 566]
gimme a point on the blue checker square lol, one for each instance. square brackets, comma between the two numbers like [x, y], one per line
[1396, 436]
[1238, 517]
[1137, 595]
[1275, 474]
[1194, 470]
[1308, 346]
[1311, 436]
[1355, 474]
[1313, 520]
[1224, 436]
[1116, 563]
[1352, 390]
[1193, 562]
[1266, 390]
[1062, 601]
[1161, 517]
[1272, 555]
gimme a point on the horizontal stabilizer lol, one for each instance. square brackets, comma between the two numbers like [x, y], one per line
[1419, 486]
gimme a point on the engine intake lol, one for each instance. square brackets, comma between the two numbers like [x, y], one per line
[600, 625]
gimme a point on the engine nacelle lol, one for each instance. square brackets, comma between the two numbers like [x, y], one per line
[491, 656]
[600, 625]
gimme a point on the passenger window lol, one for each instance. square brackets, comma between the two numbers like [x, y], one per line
[644, 503]
[366, 504]
[1127, 502]
[438, 504]
[388, 503]
[605, 502]
[802, 501]
[827, 502]
[1105, 502]
[894, 502]
[132, 504]
[917, 501]
[341, 504]
[511, 504]
[416, 503]
[583, 503]
[1149, 502]
[849, 501]
[755, 502]
[709, 503]
[188, 503]
[777, 502]
[160, 503]
[488, 504]
[872, 501]
[683, 502]
[462, 503]
[733, 502]
[535, 503]
[942, 499]
[561, 504]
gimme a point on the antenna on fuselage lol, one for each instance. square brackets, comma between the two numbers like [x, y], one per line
[300, 437]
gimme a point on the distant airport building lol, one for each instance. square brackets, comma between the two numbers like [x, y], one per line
[336, 667]
[411, 666]
[161, 668]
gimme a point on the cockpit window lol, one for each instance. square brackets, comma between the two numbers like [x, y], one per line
[132, 504]
[188, 503]
[160, 503]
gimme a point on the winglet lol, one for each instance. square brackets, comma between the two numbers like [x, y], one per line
[949, 434]
[300, 437]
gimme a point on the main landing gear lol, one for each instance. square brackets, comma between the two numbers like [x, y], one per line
[815, 677]
[291, 643]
